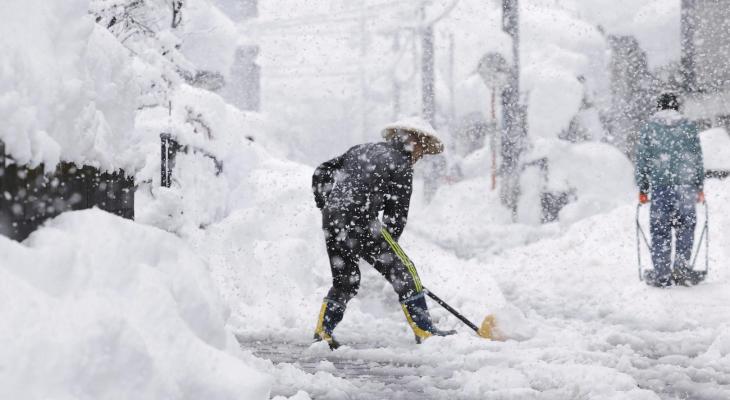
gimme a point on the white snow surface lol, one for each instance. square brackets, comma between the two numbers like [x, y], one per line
[71, 91]
[96, 307]
[65, 80]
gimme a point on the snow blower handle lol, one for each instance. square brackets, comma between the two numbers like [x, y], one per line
[640, 235]
[704, 236]
[451, 310]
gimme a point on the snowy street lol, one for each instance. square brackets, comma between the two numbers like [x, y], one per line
[589, 329]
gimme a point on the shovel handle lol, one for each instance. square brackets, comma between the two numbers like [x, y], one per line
[451, 310]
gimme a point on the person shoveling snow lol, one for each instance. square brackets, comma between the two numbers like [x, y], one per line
[351, 190]
[669, 164]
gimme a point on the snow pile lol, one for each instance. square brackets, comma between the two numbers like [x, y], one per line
[209, 38]
[210, 181]
[73, 90]
[100, 307]
[69, 89]
[598, 176]
[468, 217]
[558, 48]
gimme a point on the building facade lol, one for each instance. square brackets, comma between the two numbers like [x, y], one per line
[706, 60]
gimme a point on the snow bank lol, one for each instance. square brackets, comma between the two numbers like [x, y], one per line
[71, 91]
[68, 88]
[600, 177]
[468, 217]
[100, 307]
[210, 38]
[557, 48]
[209, 181]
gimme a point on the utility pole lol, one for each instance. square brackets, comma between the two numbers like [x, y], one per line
[396, 83]
[495, 72]
[513, 129]
[244, 88]
[493, 136]
[688, 26]
[362, 100]
[452, 105]
[427, 72]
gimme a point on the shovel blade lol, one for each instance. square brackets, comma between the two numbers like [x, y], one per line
[487, 329]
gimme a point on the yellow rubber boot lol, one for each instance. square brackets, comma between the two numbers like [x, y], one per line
[419, 319]
[421, 334]
[322, 332]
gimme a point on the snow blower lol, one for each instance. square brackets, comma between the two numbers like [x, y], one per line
[488, 324]
[699, 275]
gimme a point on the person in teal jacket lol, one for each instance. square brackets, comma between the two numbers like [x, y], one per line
[670, 174]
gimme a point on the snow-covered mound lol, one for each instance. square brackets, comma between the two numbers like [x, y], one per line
[468, 217]
[68, 88]
[81, 80]
[598, 175]
[100, 307]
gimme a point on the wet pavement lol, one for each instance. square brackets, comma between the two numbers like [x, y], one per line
[378, 377]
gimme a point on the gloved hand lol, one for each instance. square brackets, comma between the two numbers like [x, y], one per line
[643, 198]
[701, 197]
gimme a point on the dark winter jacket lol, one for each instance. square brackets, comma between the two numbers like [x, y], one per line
[367, 179]
[669, 153]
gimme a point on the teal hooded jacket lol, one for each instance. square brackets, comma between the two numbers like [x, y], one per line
[669, 153]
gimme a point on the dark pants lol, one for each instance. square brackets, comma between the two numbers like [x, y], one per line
[672, 207]
[351, 239]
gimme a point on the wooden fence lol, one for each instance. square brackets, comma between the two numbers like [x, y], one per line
[28, 196]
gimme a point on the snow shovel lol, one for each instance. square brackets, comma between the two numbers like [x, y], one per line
[486, 330]
[704, 239]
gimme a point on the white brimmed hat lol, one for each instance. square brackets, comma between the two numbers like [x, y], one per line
[421, 128]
